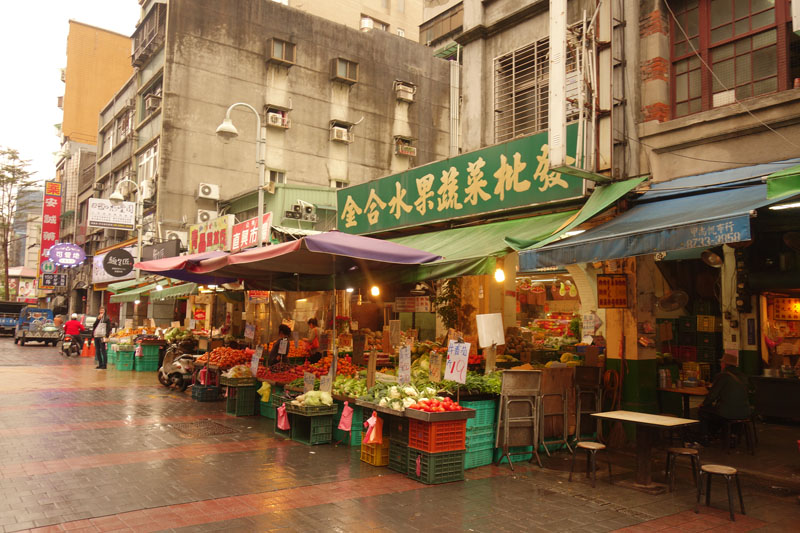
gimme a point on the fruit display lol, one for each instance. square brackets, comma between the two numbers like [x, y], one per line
[285, 372]
[435, 405]
[373, 340]
[177, 335]
[475, 359]
[280, 373]
[517, 345]
[301, 350]
[132, 332]
[226, 358]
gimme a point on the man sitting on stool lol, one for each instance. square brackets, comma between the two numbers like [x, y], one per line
[727, 398]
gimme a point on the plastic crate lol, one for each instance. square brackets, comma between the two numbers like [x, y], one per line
[268, 411]
[351, 438]
[124, 361]
[398, 456]
[436, 437]
[143, 364]
[476, 458]
[708, 323]
[686, 354]
[375, 454]
[237, 382]
[708, 340]
[485, 413]
[357, 422]
[150, 350]
[525, 454]
[203, 393]
[687, 324]
[316, 410]
[480, 438]
[435, 468]
[687, 339]
[241, 401]
[706, 355]
[312, 429]
[396, 427]
[288, 432]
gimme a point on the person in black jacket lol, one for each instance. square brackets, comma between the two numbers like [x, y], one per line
[281, 346]
[101, 330]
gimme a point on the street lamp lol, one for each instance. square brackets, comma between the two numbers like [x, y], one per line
[117, 198]
[227, 131]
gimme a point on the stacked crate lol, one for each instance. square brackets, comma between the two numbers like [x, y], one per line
[480, 436]
[241, 393]
[148, 361]
[125, 358]
[353, 437]
[398, 443]
[699, 339]
[436, 451]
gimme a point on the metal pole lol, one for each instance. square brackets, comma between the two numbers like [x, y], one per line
[139, 215]
[261, 145]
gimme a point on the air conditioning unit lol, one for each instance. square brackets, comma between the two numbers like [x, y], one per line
[180, 236]
[209, 191]
[271, 187]
[277, 120]
[292, 214]
[340, 134]
[130, 103]
[205, 215]
[310, 217]
[152, 102]
[367, 24]
[404, 149]
[405, 91]
[98, 186]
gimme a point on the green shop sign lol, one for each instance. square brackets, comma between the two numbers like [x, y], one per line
[505, 176]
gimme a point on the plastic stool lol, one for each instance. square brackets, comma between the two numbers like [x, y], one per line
[591, 459]
[730, 474]
[672, 455]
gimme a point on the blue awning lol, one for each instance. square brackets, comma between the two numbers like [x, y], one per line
[708, 213]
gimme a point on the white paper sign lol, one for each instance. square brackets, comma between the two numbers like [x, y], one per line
[490, 329]
[325, 383]
[283, 346]
[457, 361]
[250, 331]
[254, 363]
[404, 365]
[308, 381]
[192, 323]
[105, 214]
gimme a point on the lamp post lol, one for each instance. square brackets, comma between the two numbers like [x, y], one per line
[227, 131]
[117, 198]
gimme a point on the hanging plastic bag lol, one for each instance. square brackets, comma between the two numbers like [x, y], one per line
[346, 422]
[202, 376]
[283, 419]
[265, 391]
[375, 431]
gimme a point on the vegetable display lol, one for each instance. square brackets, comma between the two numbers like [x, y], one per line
[313, 398]
[436, 406]
[225, 358]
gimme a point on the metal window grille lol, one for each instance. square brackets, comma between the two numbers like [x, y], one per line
[521, 88]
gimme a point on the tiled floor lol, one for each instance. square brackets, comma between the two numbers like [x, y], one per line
[90, 450]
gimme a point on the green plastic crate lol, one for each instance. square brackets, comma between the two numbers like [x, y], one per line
[435, 468]
[480, 438]
[150, 350]
[398, 456]
[485, 413]
[352, 438]
[396, 427]
[288, 433]
[144, 365]
[312, 430]
[476, 458]
[527, 453]
[205, 393]
[268, 410]
[241, 401]
[124, 361]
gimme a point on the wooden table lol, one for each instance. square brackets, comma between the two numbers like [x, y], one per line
[647, 427]
[686, 392]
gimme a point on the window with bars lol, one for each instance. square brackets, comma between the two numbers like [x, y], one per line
[744, 43]
[148, 163]
[521, 87]
[277, 176]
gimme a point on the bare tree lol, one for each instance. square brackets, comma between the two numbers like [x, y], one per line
[15, 180]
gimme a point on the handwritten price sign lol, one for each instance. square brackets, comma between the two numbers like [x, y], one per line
[404, 365]
[457, 360]
[309, 380]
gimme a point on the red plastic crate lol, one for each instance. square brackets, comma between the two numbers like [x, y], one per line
[437, 437]
[687, 354]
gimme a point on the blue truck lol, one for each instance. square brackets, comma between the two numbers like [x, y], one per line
[35, 324]
[9, 316]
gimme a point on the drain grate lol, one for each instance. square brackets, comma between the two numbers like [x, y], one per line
[203, 428]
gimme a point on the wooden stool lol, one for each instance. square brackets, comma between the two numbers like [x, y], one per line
[672, 455]
[730, 474]
[591, 459]
[744, 425]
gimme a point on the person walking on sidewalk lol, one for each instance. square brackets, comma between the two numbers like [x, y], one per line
[101, 329]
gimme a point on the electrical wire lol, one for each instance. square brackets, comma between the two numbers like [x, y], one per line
[708, 67]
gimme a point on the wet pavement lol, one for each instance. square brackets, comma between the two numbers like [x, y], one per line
[91, 450]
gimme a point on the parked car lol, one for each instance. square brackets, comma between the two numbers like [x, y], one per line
[35, 324]
[9, 316]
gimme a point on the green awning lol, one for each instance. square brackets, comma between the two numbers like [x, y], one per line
[473, 250]
[135, 294]
[602, 197]
[176, 291]
[122, 285]
[785, 182]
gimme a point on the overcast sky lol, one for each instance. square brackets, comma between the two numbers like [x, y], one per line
[33, 47]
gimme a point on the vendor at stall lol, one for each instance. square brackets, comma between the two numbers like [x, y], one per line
[281, 346]
[313, 340]
[727, 399]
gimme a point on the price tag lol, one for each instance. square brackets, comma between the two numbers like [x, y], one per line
[457, 360]
[436, 367]
[254, 363]
[283, 346]
[394, 332]
[353, 325]
[308, 381]
[325, 383]
[250, 331]
[175, 325]
[404, 365]
[192, 323]
[128, 323]
[260, 351]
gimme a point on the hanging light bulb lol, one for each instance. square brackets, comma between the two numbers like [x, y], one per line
[375, 291]
[499, 275]
[562, 291]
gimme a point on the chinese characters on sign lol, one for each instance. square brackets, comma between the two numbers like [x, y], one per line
[99, 274]
[786, 308]
[505, 176]
[212, 235]
[105, 214]
[713, 234]
[66, 254]
[412, 304]
[457, 360]
[51, 222]
[612, 291]
[54, 280]
[245, 233]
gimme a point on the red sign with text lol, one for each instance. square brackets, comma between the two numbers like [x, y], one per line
[51, 228]
[245, 233]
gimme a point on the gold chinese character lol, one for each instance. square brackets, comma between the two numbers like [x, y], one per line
[424, 186]
[543, 174]
[373, 204]
[508, 176]
[350, 211]
[396, 204]
[476, 183]
[448, 192]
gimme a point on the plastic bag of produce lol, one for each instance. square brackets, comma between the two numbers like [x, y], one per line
[283, 419]
[265, 391]
[346, 422]
[374, 430]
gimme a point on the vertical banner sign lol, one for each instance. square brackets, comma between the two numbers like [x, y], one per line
[404, 365]
[51, 225]
[457, 361]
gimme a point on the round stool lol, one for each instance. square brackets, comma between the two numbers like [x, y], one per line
[672, 455]
[730, 474]
[591, 449]
[744, 426]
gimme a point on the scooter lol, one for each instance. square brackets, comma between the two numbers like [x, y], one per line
[177, 369]
[70, 345]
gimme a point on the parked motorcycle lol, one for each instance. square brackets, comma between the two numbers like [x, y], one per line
[177, 369]
[69, 345]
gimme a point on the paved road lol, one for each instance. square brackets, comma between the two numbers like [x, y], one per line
[91, 450]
